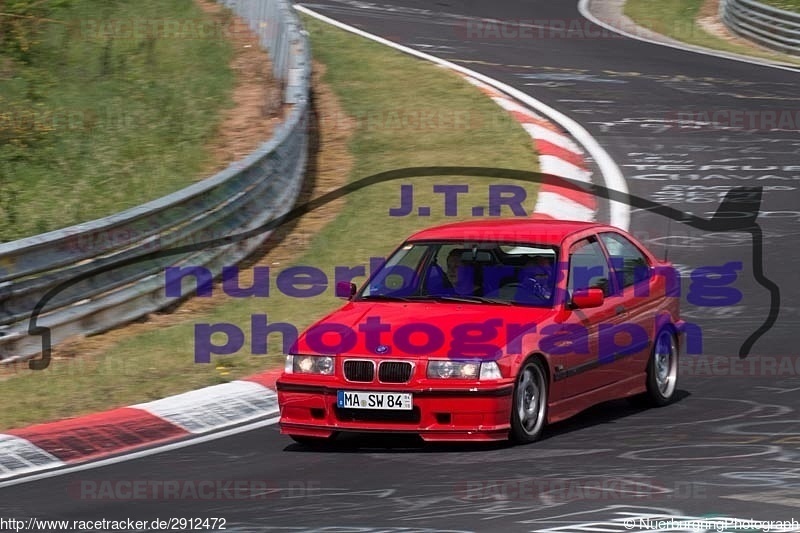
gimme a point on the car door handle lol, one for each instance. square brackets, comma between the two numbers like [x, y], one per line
[619, 310]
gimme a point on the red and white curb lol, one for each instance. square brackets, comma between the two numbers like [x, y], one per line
[559, 157]
[91, 437]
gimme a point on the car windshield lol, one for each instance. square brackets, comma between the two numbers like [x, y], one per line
[481, 272]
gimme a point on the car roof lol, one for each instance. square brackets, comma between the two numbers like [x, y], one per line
[519, 230]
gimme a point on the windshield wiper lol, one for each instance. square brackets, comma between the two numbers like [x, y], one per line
[472, 299]
[386, 297]
[437, 298]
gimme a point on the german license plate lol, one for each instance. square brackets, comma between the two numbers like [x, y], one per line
[393, 401]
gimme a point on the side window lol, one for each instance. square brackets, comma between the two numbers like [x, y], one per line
[629, 262]
[588, 267]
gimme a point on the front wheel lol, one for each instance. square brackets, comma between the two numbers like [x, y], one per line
[529, 409]
[662, 369]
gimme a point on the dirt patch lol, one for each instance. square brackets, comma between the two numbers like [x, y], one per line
[257, 106]
[708, 19]
[329, 166]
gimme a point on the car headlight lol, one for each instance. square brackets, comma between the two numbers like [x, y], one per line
[447, 369]
[453, 369]
[309, 364]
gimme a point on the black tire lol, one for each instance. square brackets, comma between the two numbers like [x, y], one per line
[529, 402]
[662, 369]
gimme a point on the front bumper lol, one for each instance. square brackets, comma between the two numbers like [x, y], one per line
[474, 413]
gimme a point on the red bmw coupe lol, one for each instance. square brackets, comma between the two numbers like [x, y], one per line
[488, 330]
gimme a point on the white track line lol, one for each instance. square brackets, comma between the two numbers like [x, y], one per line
[619, 211]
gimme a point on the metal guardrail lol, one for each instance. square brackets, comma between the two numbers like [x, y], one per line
[241, 198]
[772, 27]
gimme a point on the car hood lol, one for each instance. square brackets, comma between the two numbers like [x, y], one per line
[416, 329]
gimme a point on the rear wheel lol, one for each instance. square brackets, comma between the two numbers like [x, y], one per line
[662, 369]
[529, 408]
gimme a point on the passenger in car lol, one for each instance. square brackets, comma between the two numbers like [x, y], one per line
[537, 278]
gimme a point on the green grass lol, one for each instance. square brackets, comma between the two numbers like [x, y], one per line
[789, 5]
[378, 87]
[96, 117]
[677, 19]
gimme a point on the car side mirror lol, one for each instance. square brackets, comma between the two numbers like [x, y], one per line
[345, 289]
[588, 298]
